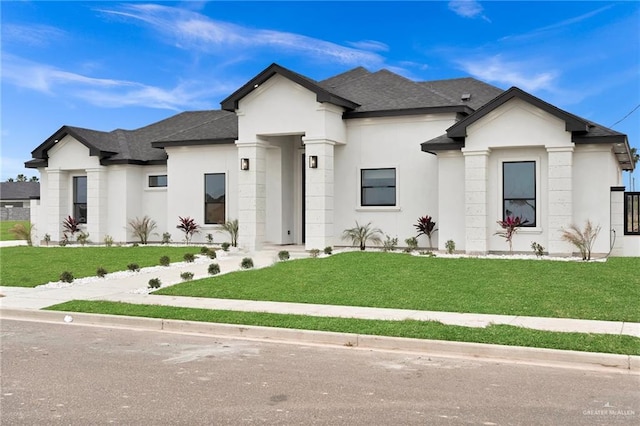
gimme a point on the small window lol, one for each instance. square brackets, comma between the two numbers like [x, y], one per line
[157, 181]
[519, 191]
[80, 198]
[378, 187]
[214, 198]
[632, 213]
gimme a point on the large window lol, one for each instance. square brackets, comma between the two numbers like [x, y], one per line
[378, 187]
[80, 198]
[519, 191]
[214, 198]
[157, 181]
[632, 213]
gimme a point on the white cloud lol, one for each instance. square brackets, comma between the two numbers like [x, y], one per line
[190, 30]
[12, 167]
[467, 9]
[33, 35]
[510, 73]
[104, 91]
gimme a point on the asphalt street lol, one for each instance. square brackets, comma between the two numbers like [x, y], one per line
[82, 375]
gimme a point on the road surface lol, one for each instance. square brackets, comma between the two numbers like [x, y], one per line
[80, 375]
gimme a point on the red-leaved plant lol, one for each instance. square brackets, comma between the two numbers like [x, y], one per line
[426, 226]
[509, 228]
[189, 227]
[70, 226]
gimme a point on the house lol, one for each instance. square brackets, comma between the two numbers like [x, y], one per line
[297, 161]
[15, 199]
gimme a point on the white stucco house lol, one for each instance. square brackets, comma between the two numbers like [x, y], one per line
[297, 161]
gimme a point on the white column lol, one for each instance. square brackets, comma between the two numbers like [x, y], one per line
[475, 201]
[559, 198]
[58, 202]
[617, 219]
[319, 194]
[96, 203]
[252, 195]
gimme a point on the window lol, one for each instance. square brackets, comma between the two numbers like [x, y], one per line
[519, 191]
[378, 187]
[214, 198]
[632, 213]
[157, 181]
[80, 198]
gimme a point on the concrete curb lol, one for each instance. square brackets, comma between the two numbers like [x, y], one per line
[539, 356]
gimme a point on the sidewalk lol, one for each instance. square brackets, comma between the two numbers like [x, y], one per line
[132, 288]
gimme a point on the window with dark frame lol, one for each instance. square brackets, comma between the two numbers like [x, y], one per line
[80, 198]
[378, 187]
[214, 198]
[157, 181]
[632, 213]
[519, 191]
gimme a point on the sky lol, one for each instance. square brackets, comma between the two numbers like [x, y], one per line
[105, 65]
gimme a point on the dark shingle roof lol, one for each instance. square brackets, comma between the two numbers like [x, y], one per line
[19, 190]
[454, 89]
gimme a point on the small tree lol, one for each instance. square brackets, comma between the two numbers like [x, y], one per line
[189, 227]
[70, 226]
[582, 239]
[361, 235]
[509, 228]
[142, 228]
[231, 227]
[426, 226]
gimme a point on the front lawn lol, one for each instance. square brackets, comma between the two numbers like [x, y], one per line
[32, 266]
[5, 225]
[495, 334]
[588, 290]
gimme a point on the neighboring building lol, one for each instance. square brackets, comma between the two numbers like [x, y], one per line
[15, 199]
[298, 161]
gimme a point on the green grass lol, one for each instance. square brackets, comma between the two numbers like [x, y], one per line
[32, 266]
[588, 290]
[5, 225]
[495, 334]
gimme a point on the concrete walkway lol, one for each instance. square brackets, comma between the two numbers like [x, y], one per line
[131, 288]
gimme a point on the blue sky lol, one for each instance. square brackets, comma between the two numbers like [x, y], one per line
[108, 65]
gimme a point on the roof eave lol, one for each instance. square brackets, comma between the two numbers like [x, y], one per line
[196, 142]
[409, 111]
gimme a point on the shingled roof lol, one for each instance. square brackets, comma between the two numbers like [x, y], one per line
[19, 190]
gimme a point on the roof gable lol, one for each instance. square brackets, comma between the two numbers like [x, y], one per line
[322, 95]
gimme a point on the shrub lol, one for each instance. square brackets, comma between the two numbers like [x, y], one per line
[450, 245]
[188, 226]
[204, 250]
[47, 239]
[83, 238]
[70, 226]
[165, 260]
[210, 238]
[328, 250]
[186, 276]
[360, 235]
[108, 240]
[538, 250]
[64, 241]
[23, 232]
[225, 246]
[166, 238]
[212, 254]
[314, 253]
[154, 283]
[189, 257]
[213, 269]
[509, 228]
[231, 227]
[426, 226]
[142, 228]
[283, 255]
[134, 267]
[66, 277]
[389, 244]
[412, 244]
[101, 272]
[247, 263]
[582, 239]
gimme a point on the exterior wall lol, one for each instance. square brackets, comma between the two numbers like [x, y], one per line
[451, 203]
[385, 143]
[185, 191]
[16, 213]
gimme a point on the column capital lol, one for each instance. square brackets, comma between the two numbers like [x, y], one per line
[252, 144]
[478, 152]
[311, 140]
[568, 148]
